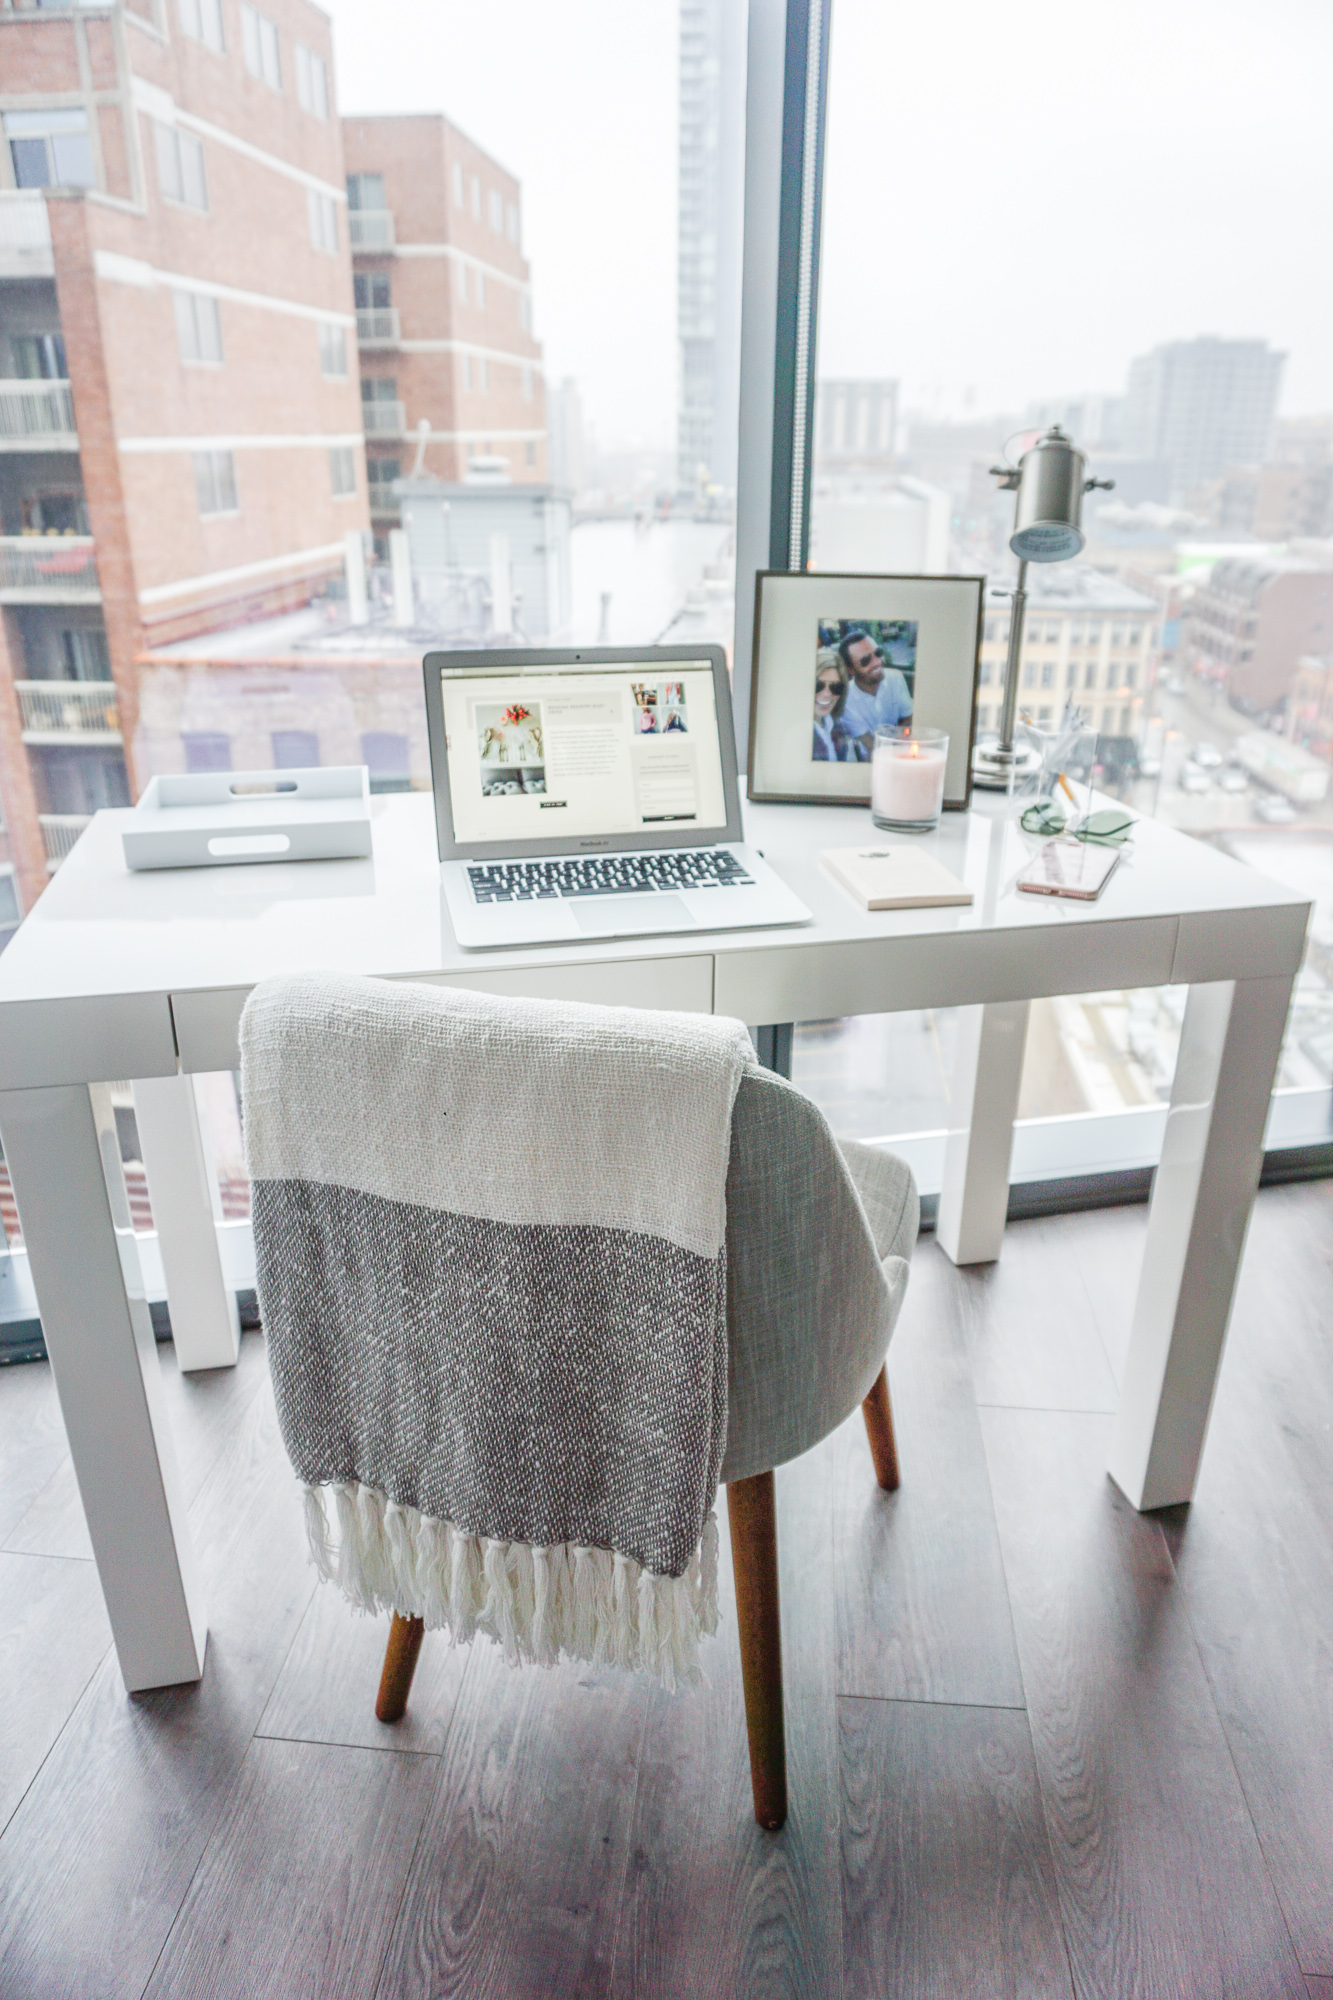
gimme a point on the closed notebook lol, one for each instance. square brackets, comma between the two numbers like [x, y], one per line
[893, 878]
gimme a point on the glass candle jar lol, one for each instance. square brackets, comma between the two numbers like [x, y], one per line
[907, 779]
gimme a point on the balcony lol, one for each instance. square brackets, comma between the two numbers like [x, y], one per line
[68, 711]
[37, 416]
[48, 569]
[371, 229]
[377, 326]
[59, 833]
[384, 420]
[382, 497]
[25, 236]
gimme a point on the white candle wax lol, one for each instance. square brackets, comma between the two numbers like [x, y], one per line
[907, 783]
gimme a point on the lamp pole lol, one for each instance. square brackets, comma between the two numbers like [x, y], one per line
[1018, 604]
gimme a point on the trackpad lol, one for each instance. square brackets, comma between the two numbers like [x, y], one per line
[631, 913]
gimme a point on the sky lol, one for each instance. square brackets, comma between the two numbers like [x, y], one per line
[1018, 198]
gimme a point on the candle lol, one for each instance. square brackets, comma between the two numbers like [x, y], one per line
[907, 778]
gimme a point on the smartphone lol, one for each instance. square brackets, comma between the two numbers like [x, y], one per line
[1069, 867]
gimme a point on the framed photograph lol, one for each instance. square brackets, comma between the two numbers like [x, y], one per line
[837, 657]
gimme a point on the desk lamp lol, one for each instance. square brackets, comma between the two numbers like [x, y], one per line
[1050, 484]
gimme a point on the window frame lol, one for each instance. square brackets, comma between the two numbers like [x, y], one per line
[259, 43]
[215, 478]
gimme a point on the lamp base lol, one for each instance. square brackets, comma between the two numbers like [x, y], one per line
[996, 770]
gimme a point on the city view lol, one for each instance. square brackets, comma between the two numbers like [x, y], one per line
[250, 469]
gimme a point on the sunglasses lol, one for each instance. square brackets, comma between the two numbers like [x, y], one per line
[1108, 828]
[828, 687]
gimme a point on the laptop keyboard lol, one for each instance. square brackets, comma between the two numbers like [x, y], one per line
[606, 875]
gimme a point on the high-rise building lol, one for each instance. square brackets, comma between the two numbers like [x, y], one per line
[1202, 405]
[451, 373]
[708, 303]
[856, 422]
[180, 425]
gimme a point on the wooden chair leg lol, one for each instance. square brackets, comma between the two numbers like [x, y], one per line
[754, 1549]
[400, 1663]
[878, 1413]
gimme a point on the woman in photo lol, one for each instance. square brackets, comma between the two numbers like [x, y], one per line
[833, 741]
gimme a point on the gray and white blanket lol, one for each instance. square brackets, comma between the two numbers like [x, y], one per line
[490, 1244]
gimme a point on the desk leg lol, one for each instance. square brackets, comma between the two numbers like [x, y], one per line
[187, 1208]
[983, 1104]
[1202, 1196]
[64, 1162]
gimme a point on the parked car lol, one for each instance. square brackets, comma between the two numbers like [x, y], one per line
[1150, 767]
[1207, 756]
[1274, 810]
[1233, 779]
[1192, 779]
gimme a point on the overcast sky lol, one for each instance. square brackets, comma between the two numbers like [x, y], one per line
[1019, 198]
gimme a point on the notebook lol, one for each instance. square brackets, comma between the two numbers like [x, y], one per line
[880, 877]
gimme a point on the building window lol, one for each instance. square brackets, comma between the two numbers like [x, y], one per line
[479, 286]
[1131, 676]
[476, 197]
[458, 185]
[50, 148]
[467, 374]
[39, 356]
[1090, 676]
[530, 453]
[53, 514]
[1029, 674]
[295, 749]
[86, 655]
[332, 348]
[312, 82]
[201, 20]
[1126, 721]
[485, 376]
[372, 291]
[497, 209]
[379, 389]
[215, 482]
[527, 382]
[462, 282]
[366, 191]
[512, 219]
[1048, 673]
[206, 749]
[259, 43]
[198, 327]
[342, 470]
[180, 166]
[323, 214]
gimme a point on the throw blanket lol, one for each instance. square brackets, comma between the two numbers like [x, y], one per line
[490, 1247]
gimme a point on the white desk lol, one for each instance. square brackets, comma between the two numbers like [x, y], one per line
[144, 976]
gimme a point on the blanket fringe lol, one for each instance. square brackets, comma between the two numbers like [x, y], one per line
[539, 1604]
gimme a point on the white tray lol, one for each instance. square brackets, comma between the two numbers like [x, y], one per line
[213, 819]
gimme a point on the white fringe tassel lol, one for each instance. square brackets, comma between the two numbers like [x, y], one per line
[537, 1603]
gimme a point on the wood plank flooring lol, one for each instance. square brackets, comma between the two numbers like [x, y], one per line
[1039, 1745]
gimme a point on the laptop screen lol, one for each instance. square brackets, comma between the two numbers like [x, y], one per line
[605, 749]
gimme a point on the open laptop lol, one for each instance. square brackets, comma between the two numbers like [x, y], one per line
[592, 794]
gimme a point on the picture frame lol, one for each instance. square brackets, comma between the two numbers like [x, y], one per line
[916, 643]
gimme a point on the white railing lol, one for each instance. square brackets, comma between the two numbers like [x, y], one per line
[68, 708]
[371, 228]
[25, 232]
[382, 497]
[384, 420]
[48, 569]
[377, 326]
[30, 409]
[59, 833]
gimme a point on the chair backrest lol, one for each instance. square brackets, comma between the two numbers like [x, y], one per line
[808, 1304]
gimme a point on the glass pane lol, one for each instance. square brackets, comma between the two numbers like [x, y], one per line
[1192, 635]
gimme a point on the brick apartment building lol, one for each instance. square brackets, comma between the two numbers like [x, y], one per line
[443, 308]
[181, 443]
[1253, 619]
[1087, 639]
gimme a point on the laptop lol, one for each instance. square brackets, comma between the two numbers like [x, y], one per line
[592, 794]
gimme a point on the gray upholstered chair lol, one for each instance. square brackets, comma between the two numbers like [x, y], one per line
[819, 1236]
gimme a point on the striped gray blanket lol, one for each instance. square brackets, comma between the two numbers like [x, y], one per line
[490, 1248]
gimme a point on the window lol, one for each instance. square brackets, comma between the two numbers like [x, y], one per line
[215, 482]
[1131, 674]
[458, 185]
[39, 356]
[50, 148]
[198, 327]
[295, 749]
[1090, 675]
[1029, 674]
[530, 453]
[206, 749]
[479, 285]
[312, 82]
[462, 282]
[379, 389]
[512, 219]
[332, 348]
[86, 655]
[467, 373]
[497, 209]
[372, 291]
[259, 44]
[342, 470]
[201, 20]
[1048, 673]
[476, 197]
[180, 166]
[485, 376]
[323, 214]
[366, 191]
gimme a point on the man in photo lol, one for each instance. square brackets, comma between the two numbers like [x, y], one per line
[879, 697]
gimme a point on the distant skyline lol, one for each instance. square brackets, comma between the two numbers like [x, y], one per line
[1074, 188]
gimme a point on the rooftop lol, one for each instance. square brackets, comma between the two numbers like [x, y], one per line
[1073, 587]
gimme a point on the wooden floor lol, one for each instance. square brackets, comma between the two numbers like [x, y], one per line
[1039, 1744]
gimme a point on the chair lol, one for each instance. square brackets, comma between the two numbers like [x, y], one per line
[819, 1236]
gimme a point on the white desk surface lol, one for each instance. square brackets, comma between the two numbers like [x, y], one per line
[123, 974]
